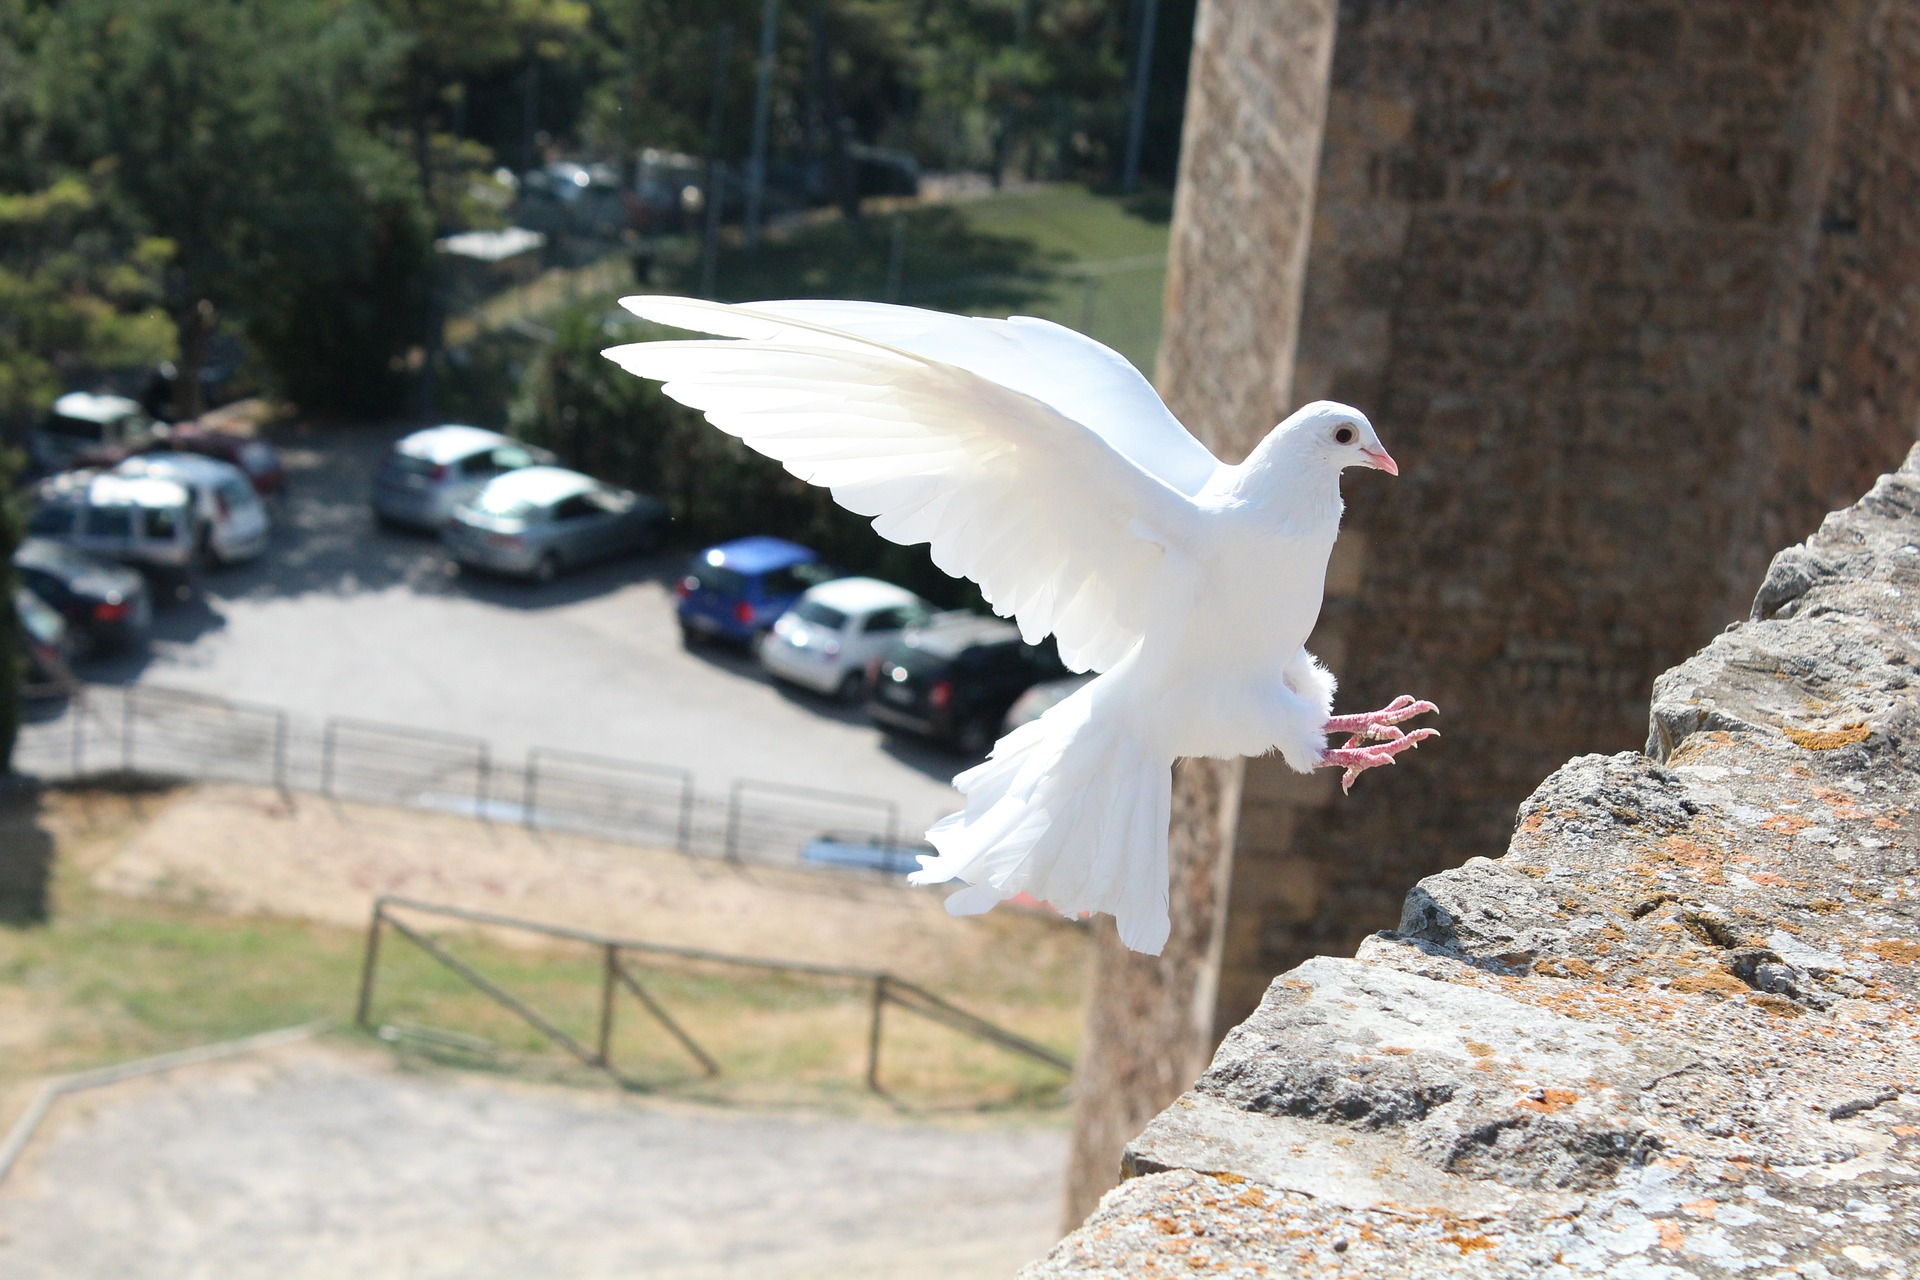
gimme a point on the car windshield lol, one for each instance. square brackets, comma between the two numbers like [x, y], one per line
[820, 615]
[504, 506]
[76, 428]
[411, 464]
[711, 577]
[794, 579]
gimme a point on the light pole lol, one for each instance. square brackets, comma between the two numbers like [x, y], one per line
[762, 90]
[1137, 112]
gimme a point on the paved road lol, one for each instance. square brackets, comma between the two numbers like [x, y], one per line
[318, 1164]
[343, 618]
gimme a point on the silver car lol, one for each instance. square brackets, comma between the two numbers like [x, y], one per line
[427, 474]
[538, 521]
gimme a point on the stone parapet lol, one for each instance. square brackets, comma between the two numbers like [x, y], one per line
[1673, 1031]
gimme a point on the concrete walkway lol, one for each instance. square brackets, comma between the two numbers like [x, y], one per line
[318, 1162]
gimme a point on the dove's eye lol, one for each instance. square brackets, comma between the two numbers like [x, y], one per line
[1345, 435]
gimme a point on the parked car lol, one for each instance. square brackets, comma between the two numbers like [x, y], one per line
[257, 459]
[427, 474]
[44, 636]
[230, 522]
[83, 425]
[735, 591]
[145, 521]
[1040, 699]
[537, 521]
[832, 632]
[954, 680]
[105, 605]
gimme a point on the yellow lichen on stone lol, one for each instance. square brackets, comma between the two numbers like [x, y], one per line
[1828, 739]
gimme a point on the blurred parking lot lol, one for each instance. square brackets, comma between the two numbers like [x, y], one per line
[343, 618]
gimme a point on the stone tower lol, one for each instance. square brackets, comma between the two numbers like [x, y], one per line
[1630, 289]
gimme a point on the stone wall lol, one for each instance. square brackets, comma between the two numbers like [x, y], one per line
[1632, 292]
[1673, 1031]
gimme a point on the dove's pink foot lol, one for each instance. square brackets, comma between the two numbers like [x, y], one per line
[1404, 707]
[1360, 755]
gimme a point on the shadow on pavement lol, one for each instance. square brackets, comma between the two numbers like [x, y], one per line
[26, 859]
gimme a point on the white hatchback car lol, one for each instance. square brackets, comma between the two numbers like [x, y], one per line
[833, 630]
[230, 521]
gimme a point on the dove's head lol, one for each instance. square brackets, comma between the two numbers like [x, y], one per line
[1295, 471]
[1334, 435]
[1317, 443]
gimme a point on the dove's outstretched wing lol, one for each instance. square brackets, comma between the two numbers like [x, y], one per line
[1063, 529]
[1093, 384]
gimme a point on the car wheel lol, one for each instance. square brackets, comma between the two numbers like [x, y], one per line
[691, 637]
[852, 685]
[976, 736]
[547, 569]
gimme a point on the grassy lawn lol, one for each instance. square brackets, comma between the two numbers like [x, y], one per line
[88, 978]
[1091, 261]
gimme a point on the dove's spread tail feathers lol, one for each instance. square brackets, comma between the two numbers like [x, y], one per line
[1072, 809]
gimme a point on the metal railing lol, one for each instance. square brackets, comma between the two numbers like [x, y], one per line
[617, 974]
[170, 733]
[404, 766]
[605, 796]
[837, 816]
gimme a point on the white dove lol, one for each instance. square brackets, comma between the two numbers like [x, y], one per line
[1043, 466]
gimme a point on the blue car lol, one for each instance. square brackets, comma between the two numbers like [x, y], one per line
[735, 591]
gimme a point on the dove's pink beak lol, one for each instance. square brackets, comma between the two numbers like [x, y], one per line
[1381, 460]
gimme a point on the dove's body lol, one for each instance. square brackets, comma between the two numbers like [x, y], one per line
[1041, 465]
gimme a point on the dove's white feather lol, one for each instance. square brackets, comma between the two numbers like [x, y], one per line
[1062, 531]
[1039, 464]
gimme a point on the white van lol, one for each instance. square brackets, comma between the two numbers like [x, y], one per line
[144, 521]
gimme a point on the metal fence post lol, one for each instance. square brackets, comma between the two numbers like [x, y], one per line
[733, 822]
[873, 1033]
[481, 778]
[78, 709]
[893, 825]
[529, 788]
[280, 751]
[364, 1007]
[326, 759]
[607, 978]
[686, 814]
[126, 730]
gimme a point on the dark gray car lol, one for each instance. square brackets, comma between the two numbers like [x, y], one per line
[539, 521]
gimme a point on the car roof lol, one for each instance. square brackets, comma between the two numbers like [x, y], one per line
[448, 443]
[192, 467]
[541, 486]
[104, 488]
[57, 557]
[860, 595]
[757, 554]
[949, 634]
[88, 407]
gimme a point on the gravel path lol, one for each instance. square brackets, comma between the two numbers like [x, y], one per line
[317, 1163]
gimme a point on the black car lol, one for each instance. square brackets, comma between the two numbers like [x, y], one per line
[954, 680]
[105, 605]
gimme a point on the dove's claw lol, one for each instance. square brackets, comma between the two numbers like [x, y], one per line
[1404, 707]
[1357, 756]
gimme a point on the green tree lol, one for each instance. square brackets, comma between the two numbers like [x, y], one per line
[12, 654]
[231, 129]
[611, 424]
